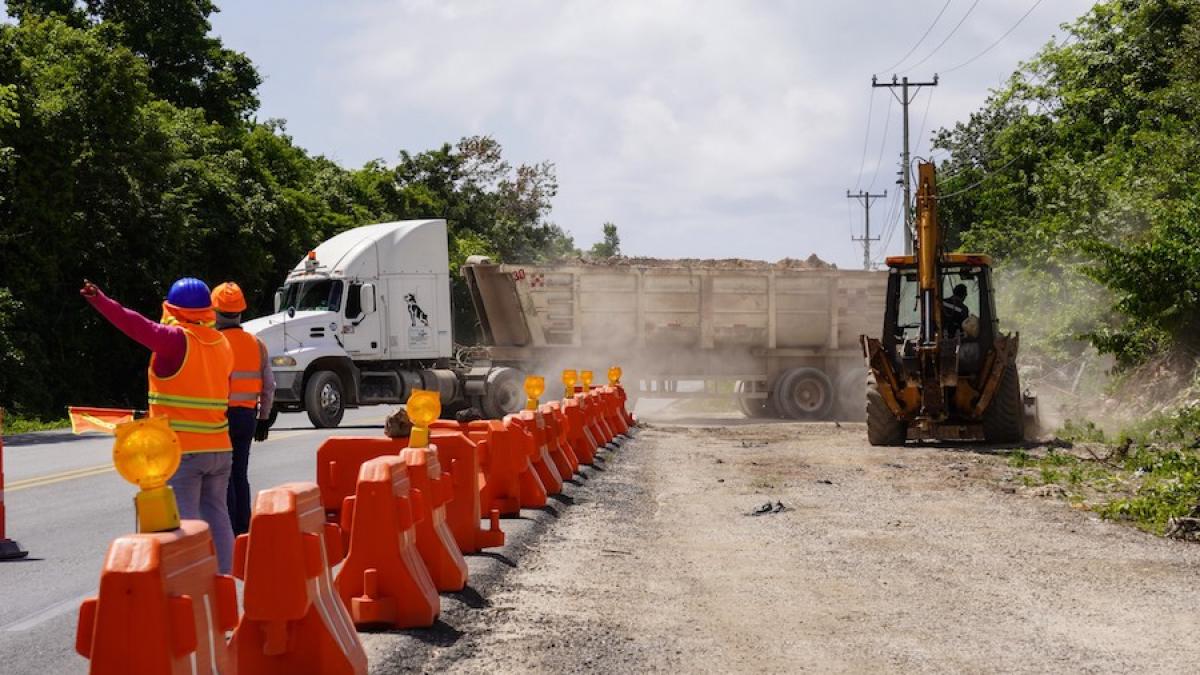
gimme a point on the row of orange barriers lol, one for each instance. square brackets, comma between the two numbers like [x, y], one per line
[397, 519]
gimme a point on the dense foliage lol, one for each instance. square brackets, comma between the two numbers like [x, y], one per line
[128, 155]
[1086, 166]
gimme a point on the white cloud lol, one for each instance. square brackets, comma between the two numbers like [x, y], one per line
[701, 128]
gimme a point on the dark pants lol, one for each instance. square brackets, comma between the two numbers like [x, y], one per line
[241, 433]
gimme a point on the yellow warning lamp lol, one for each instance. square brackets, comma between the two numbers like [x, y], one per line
[146, 453]
[534, 386]
[423, 408]
[586, 376]
[614, 376]
[569, 377]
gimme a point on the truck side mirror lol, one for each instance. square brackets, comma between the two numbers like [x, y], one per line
[366, 298]
[278, 301]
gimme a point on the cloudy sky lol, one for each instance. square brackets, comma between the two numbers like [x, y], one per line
[702, 128]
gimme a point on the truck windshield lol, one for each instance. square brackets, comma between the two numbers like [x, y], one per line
[320, 295]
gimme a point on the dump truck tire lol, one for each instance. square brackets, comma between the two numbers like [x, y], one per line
[324, 399]
[755, 408]
[1004, 419]
[804, 394]
[504, 392]
[882, 426]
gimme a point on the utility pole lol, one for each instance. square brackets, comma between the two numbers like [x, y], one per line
[905, 98]
[865, 199]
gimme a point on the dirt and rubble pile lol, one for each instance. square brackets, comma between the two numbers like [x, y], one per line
[811, 262]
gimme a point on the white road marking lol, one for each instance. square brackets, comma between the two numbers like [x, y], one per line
[38, 618]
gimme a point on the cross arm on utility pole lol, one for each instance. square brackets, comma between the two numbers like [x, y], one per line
[905, 98]
[865, 198]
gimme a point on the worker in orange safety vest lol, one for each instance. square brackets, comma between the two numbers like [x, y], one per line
[189, 376]
[251, 394]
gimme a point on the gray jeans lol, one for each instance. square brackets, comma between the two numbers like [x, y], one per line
[201, 485]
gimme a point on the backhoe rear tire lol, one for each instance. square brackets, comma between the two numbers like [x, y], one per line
[882, 426]
[1004, 419]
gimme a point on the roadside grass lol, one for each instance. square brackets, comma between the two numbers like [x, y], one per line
[1147, 476]
[16, 424]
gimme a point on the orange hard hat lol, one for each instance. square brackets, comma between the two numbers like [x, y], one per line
[228, 298]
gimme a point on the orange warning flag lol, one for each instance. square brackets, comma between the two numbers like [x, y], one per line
[104, 420]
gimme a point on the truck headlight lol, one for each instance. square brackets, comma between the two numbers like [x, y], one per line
[282, 361]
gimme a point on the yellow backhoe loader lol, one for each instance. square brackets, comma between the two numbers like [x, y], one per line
[942, 370]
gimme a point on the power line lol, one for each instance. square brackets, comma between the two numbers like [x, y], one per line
[947, 38]
[979, 182]
[924, 118]
[998, 40]
[887, 117]
[914, 47]
[862, 163]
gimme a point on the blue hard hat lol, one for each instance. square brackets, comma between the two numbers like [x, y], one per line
[190, 293]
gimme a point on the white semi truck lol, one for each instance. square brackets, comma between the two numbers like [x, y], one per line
[365, 318]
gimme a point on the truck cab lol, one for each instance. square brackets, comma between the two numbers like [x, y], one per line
[365, 318]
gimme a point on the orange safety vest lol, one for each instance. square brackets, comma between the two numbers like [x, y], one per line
[245, 384]
[194, 399]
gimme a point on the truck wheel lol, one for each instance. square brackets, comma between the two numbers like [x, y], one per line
[882, 426]
[851, 387]
[1004, 419]
[323, 399]
[804, 394]
[504, 393]
[753, 407]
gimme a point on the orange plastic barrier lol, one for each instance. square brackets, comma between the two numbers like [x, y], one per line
[591, 414]
[630, 418]
[338, 456]
[384, 580]
[294, 622]
[556, 440]
[9, 548]
[338, 462]
[162, 607]
[580, 436]
[431, 490]
[533, 493]
[613, 413]
[501, 460]
[602, 413]
[458, 452]
[534, 425]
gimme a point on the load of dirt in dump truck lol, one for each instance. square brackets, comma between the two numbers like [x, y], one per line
[811, 262]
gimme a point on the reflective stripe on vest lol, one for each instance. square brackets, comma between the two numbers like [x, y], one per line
[245, 384]
[194, 399]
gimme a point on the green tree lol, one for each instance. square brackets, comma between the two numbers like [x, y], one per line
[1088, 163]
[610, 246]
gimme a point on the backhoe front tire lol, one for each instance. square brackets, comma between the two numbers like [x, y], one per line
[1004, 419]
[882, 426]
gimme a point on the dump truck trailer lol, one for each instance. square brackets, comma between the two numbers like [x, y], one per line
[781, 338]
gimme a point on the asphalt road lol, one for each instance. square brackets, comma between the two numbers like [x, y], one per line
[65, 504]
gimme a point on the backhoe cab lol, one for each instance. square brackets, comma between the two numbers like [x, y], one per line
[942, 370]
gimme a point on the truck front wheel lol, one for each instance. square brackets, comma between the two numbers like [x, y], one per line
[323, 399]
